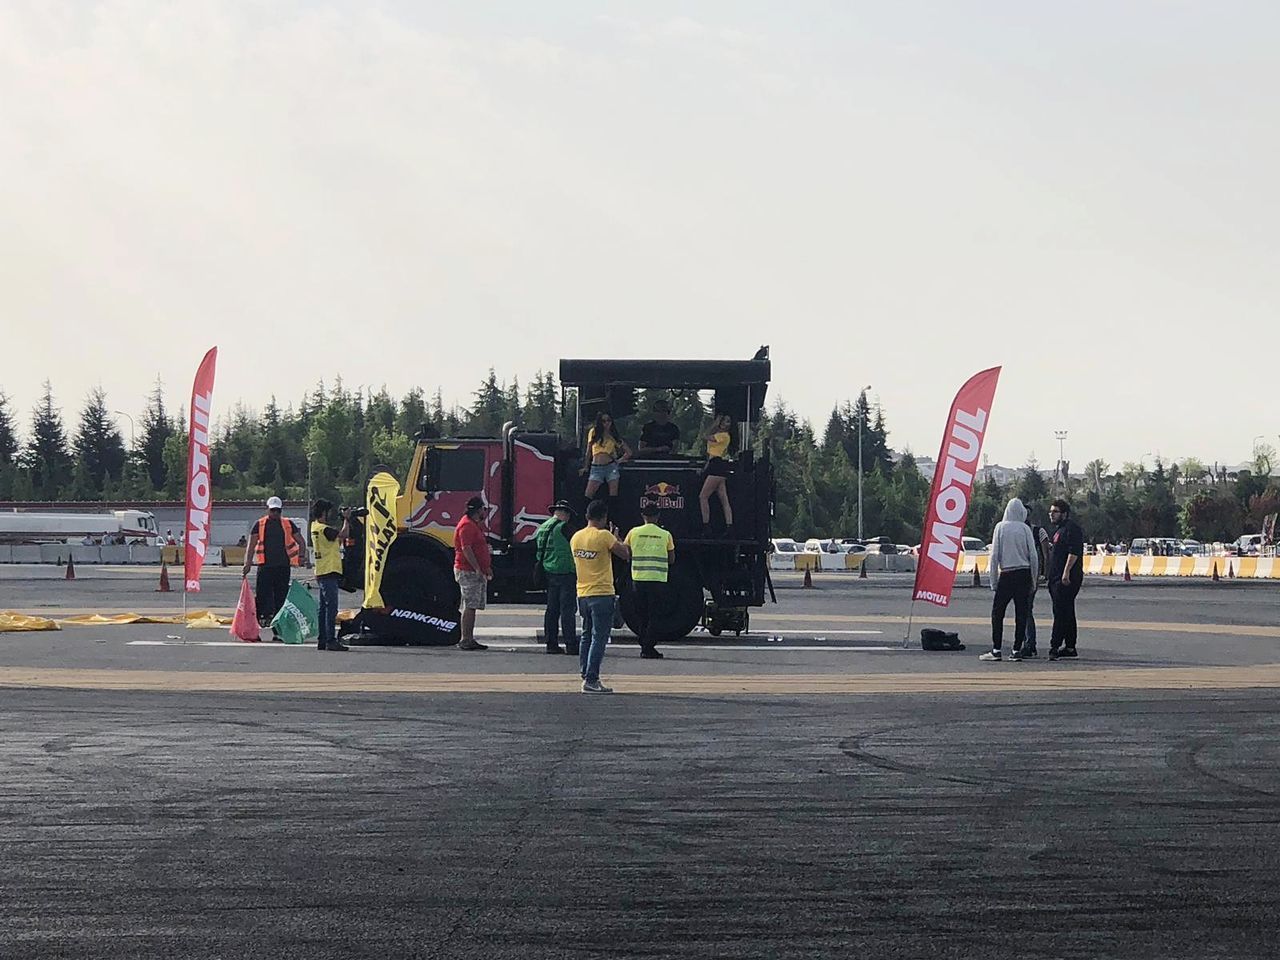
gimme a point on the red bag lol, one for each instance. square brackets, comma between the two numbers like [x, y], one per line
[244, 625]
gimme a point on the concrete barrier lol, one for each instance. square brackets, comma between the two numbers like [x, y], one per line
[777, 561]
[140, 553]
[115, 553]
[26, 553]
[234, 555]
[82, 554]
[54, 552]
[6, 553]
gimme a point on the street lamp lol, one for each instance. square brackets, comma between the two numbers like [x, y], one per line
[132, 436]
[310, 457]
[861, 417]
[1061, 437]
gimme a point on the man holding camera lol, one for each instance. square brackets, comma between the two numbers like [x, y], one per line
[327, 542]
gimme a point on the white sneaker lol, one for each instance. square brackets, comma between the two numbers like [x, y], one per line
[992, 657]
[589, 686]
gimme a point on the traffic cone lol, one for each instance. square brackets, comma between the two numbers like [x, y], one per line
[862, 569]
[71, 569]
[977, 577]
[1216, 578]
[808, 579]
[164, 579]
[1127, 576]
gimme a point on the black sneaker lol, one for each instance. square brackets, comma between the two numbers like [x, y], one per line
[1029, 653]
[554, 648]
[473, 645]
[1068, 653]
[648, 653]
[571, 649]
[335, 645]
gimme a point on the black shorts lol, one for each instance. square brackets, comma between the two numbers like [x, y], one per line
[717, 467]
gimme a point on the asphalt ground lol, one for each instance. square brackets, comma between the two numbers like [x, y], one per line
[825, 794]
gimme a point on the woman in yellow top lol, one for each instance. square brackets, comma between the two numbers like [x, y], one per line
[717, 470]
[605, 450]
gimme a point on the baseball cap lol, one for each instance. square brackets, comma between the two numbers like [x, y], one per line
[475, 503]
[561, 505]
[275, 503]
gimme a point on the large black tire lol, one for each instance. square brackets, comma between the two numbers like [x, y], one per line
[419, 574]
[679, 611]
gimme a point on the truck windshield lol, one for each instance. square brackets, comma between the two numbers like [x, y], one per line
[453, 468]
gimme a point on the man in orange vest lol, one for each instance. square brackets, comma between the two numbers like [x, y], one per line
[275, 545]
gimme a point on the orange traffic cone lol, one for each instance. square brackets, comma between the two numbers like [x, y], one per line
[164, 579]
[71, 569]
[808, 579]
[1216, 578]
[1127, 576]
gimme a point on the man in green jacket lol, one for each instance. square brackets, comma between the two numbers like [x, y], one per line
[652, 550]
[556, 559]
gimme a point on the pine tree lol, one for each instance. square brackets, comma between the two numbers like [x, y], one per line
[489, 411]
[156, 431]
[98, 444]
[8, 432]
[413, 412]
[47, 455]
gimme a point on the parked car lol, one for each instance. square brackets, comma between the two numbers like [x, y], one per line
[851, 546]
[1250, 545]
[1192, 548]
[974, 545]
[821, 545]
[785, 545]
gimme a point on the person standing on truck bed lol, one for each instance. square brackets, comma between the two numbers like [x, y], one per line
[556, 558]
[275, 545]
[605, 451]
[659, 437]
[652, 551]
[594, 548]
[473, 569]
[717, 470]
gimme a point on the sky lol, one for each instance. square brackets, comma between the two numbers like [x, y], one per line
[889, 194]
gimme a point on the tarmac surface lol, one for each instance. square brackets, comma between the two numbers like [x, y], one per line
[827, 793]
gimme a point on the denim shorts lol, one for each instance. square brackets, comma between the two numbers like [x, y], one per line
[606, 472]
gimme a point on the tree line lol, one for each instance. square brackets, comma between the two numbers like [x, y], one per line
[328, 443]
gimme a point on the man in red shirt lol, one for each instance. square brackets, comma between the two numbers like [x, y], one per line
[473, 569]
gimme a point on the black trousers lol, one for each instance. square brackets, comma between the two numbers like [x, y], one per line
[273, 586]
[1064, 613]
[649, 596]
[1013, 585]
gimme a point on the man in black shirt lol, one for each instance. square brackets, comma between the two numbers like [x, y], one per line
[276, 546]
[659, 437]
[1066, 574]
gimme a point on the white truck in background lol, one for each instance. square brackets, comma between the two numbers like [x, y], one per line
[117, 526]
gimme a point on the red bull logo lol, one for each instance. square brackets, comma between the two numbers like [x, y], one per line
[664, 496]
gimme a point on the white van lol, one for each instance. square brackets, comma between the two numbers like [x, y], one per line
[1250, 545]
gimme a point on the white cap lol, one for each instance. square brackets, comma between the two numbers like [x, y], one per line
[275, 503]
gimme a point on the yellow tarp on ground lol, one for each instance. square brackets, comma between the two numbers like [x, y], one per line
[11, 622]
[195, 618]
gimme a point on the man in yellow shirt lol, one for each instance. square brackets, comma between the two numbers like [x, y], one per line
[327, 540]
[652, 551]
[594, 548]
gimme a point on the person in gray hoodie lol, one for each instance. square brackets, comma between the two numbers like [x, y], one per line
[1015, 565]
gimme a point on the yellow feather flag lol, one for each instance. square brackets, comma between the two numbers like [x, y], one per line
[380, 533]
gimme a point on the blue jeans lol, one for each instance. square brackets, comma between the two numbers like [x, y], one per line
[597, 624]
[328, 606]
[562, 592]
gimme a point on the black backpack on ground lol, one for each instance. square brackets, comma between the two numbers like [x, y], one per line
[931, 639]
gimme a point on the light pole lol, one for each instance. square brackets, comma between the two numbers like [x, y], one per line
[1061, 472]
[132, 436]
[862, 413]
[307, 536]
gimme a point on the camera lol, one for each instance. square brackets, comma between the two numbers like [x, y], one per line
[355, 513]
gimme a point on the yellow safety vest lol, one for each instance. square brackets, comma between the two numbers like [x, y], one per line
[328, 552]
[649, 544]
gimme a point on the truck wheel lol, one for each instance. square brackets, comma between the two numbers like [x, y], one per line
[677, 614]
[419, 574]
